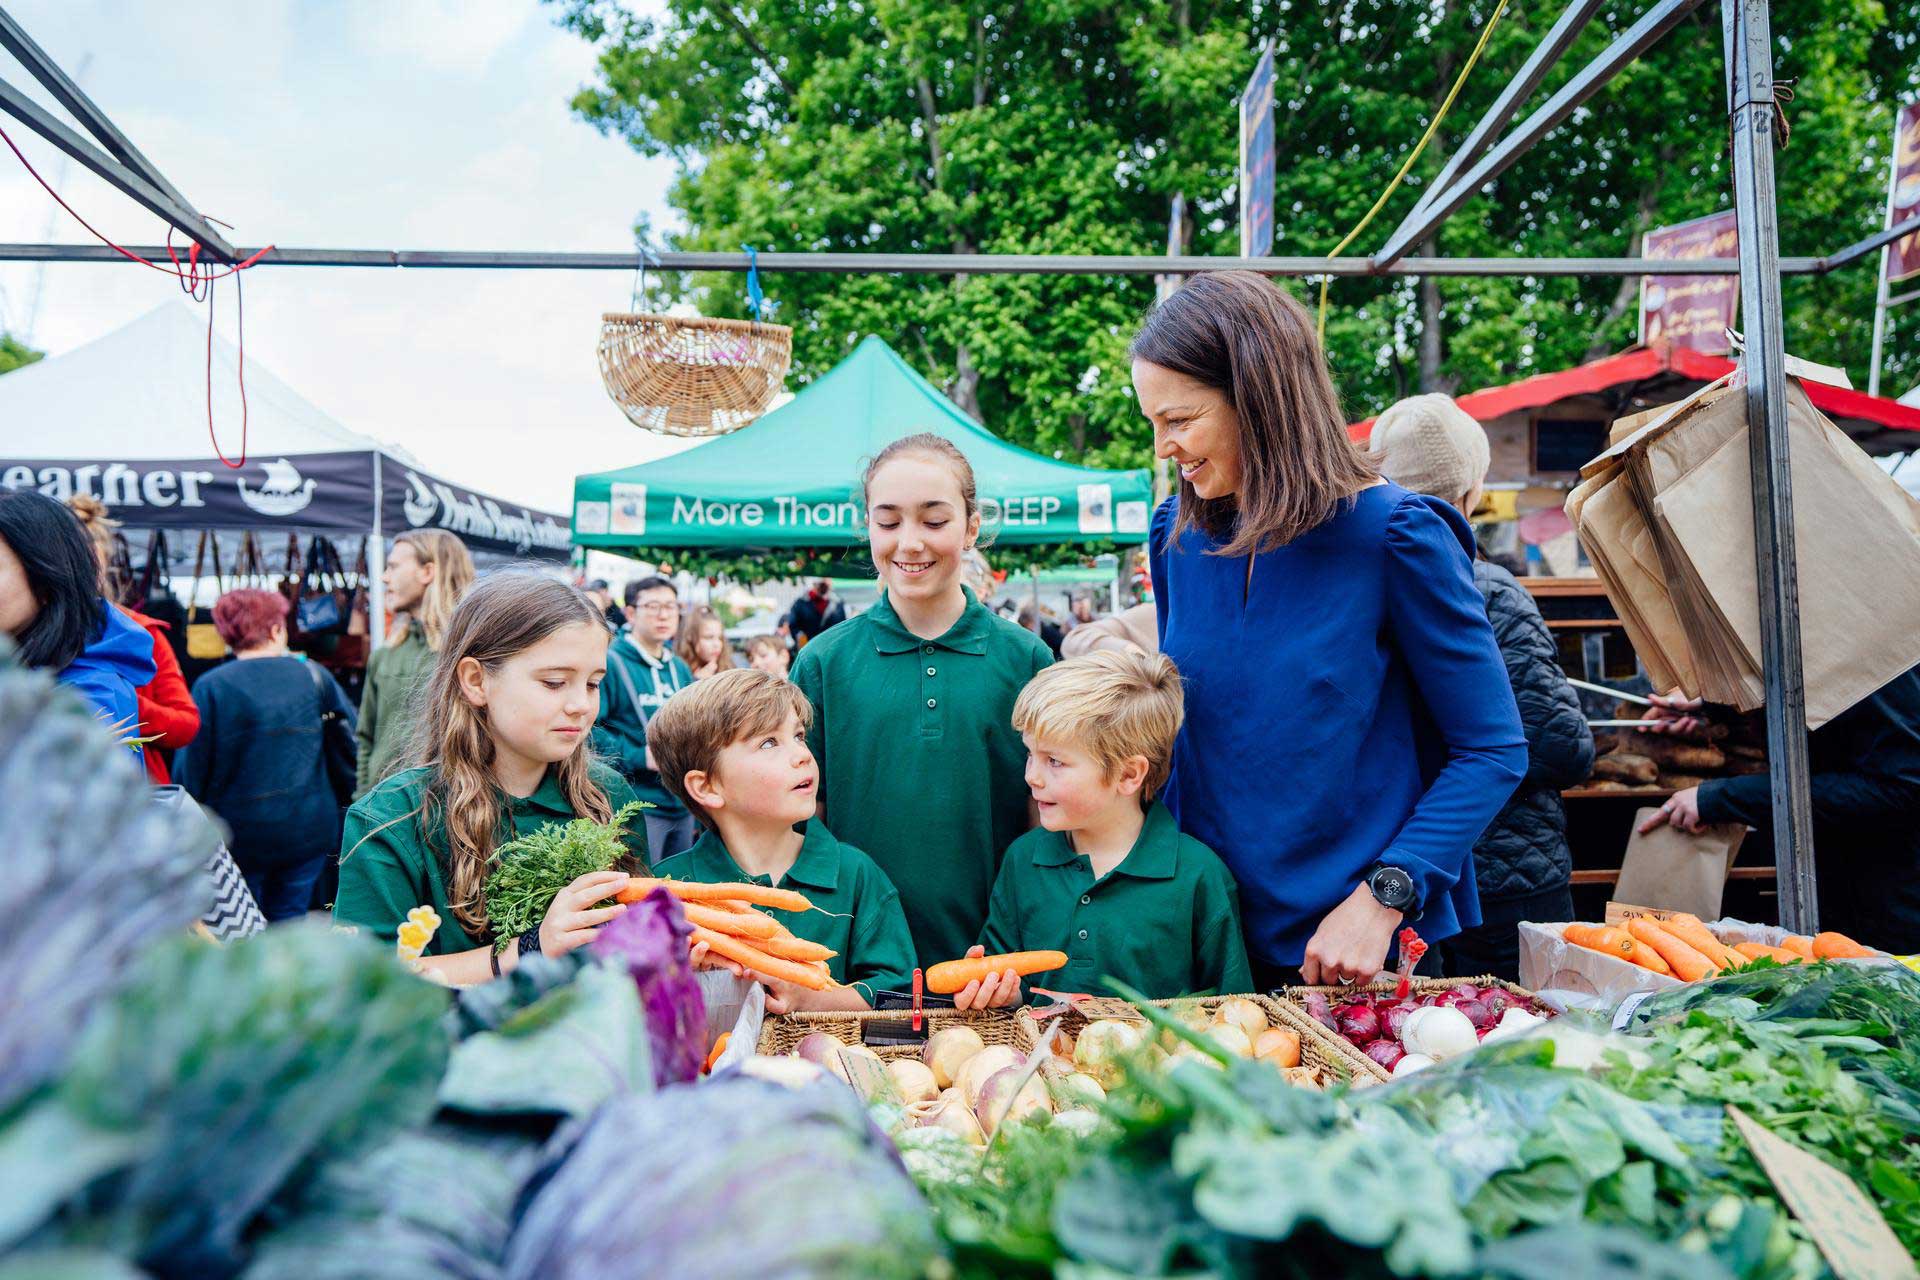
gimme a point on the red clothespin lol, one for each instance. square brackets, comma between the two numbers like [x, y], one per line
[919, 986]
[1411, 949]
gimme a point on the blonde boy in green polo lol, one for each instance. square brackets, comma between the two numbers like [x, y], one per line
[1107, 877]
[733, 747]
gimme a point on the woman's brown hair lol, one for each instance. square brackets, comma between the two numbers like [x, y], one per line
[688, 646]
[1237, 332]
[100, 528]
[928, 445]
[505, 614]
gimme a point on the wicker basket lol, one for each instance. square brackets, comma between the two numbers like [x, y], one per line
[1293, 996]
[692, 375]
[780, 1035]
[1322, 1052]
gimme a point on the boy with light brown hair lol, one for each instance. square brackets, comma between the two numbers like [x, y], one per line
[733, 748]
[1107, 877]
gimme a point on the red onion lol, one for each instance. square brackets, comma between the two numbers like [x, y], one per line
[1358, 1024]
[1385, 1052]
[1319, 1011]
[1477, 1013]
[1394, 1020]
[1497, 1002]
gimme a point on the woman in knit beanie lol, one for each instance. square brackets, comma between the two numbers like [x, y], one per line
[1522, 865]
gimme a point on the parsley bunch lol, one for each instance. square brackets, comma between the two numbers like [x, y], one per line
[530, 871]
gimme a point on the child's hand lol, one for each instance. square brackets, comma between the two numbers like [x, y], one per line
[704, 957]
[995, 991]
[573, 920]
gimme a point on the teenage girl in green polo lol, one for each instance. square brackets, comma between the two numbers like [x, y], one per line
[913, 703]
[502, 742]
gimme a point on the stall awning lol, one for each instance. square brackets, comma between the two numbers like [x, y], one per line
[1644, 363]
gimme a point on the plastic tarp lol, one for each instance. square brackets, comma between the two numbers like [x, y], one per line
[790, 479]
[124, 418]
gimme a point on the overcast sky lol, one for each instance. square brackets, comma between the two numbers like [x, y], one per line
[391, 124]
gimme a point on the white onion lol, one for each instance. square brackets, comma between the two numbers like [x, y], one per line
[1439, 1032]
[1230, 1037]
[1101, 1046]
[1244, 1014]
[914, 1079]
[1411, 1063]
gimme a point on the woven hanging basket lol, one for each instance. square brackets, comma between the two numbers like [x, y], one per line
[692, 375]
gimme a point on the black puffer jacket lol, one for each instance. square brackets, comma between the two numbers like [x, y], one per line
[1524, 849]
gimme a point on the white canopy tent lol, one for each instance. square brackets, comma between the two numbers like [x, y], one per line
[125, 419]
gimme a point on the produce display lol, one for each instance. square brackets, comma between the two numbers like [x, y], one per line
[1411, 1027]
[1208, 1031]
[726, 917]
[1681, 946]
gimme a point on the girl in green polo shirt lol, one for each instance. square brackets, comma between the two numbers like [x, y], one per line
[913, 699]
[502, 741]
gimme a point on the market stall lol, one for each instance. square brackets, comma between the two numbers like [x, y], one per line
[125, 418]
[789, 481]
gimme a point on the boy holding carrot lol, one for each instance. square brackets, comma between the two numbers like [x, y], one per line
[1107, 877]
[733, 748]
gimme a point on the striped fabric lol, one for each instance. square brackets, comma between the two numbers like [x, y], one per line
[234, 913]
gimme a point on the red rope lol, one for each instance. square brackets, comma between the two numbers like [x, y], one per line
[195, 279]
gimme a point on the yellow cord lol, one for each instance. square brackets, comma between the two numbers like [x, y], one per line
[1432, 128]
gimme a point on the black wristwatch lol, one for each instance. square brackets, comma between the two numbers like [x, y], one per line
[1393, 888]
[530, 943]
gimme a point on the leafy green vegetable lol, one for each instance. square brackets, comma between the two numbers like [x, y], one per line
[96, 872]
[565, 1053]
[220, 1076]
[529, 871]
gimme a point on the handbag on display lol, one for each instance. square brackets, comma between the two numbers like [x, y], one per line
[322, 608]
[203, 638]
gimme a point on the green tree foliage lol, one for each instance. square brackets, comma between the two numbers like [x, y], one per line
[1068, 126]
[15, 353]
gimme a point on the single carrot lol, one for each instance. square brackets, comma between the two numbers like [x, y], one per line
[1800, 944]
[1838, 946]
[1755, 950]
[1690, 930]
[693, 891]
[741, 924]
[751, 957]
[719, 1047]
[1687, 964]
[1616, 943]
[787, 947]
[949, 976]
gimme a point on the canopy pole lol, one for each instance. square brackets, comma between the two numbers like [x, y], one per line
[1749, 51]
[376, 592]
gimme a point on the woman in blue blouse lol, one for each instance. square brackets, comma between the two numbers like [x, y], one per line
[1350, 727]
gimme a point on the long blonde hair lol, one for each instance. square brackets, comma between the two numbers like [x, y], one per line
[453, 574]
[505, 614]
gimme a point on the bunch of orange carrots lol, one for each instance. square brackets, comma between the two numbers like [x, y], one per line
[1680, 946]
[727, 917]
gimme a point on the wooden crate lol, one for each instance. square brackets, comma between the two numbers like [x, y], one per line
[1323, 1052]
[1293, 996]
[780, 1035]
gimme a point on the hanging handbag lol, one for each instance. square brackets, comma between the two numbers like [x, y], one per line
[203, 638]
[322, 609]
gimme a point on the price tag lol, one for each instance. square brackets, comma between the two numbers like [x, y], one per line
[1856, 1240]
[1621, 912]
[1624, 1014]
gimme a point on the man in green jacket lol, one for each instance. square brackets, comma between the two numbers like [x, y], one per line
[642, 673]
[427, 572]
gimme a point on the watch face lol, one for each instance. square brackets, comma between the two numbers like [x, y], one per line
[1393, 887]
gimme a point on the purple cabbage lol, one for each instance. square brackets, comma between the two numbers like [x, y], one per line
[650, 938]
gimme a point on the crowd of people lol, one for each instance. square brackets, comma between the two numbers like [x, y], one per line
[1332, 720]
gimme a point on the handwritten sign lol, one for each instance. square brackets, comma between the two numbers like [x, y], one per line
[1621, 912]
[1846, 1226]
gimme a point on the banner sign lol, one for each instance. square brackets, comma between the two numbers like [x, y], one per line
[415, 500]
[1903, 255]
[1256, 160]
[633, 515]
[307, 492]
[1694, 312]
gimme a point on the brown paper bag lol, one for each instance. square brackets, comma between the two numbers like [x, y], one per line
[1676, 871]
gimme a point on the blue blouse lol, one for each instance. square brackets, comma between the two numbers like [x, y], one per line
[1346, 707]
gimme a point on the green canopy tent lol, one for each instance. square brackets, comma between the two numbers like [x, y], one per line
[789, 480]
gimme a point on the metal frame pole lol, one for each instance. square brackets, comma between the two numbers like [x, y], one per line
[1880, 285]
[1749, 46]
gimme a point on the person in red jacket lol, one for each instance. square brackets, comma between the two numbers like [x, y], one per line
[168, 715]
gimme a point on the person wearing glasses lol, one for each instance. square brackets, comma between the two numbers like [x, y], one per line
[642, 673]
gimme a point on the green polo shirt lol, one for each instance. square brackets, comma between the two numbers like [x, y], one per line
[1166, 920]
[390, 863]
[859, 912]
[919, 762]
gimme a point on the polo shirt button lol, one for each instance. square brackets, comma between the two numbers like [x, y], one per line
[1083, 935]
[931, 671]
[932, 702]
[1085, 899]
[928, 649]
